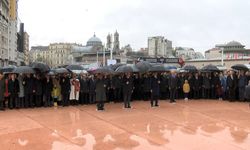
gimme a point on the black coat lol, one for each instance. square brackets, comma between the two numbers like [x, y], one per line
[164, 83]
[206, 82]
[92, 86]
[117, 82]
[146, 84]
[127, 84]
[38, 87]
[2, 89]
[13, 87]
[196, 83]
[84, 85]
[231, 83]
[29, 85]
[65, 85]
[155, 86]
[47, 86]
[100, 90]
[173, 82]
[242, 81]
[247, 93]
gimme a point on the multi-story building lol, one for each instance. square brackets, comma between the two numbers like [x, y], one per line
[158, 46]
[26, 48]
[4, 32]
[213, 53]
[187, 53]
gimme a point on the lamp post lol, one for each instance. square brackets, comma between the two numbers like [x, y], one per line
[222, 56]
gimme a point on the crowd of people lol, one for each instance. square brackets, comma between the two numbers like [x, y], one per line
[43, 90]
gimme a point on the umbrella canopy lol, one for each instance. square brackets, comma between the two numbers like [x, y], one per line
[24, 69]
[115, 66]
[8, 69]
[124, 69]
[135, 69]
[240, 67]
[39, 66]
[104, 69]
[190, 68]
[143, 66]
[51, 73]
[79, 71]
[157, 68]
[169, 68]
[61, 70]
[210, 68]
[75, 67]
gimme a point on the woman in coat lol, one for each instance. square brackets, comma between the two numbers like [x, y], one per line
[100, 92]
[21, 91]
[74, 90]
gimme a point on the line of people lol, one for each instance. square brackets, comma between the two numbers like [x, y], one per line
[38, 90]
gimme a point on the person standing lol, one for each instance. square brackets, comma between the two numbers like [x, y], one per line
[247, 92]
[92, 86]
[207, 85]
[196, 86]
[29, 90]
[155, 90]
[100, 92]
[127, 88]
[74, 90]
[118, 87]
[223, 80]
[231, 86]
[13, 92]
[173, 81]
[39, 91]
[2, 89]
[48, 85]
[84, 89]
[65, 89]
[21, 91]
[242, 83]
[186, 90]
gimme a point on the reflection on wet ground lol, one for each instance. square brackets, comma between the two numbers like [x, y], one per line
[192, 125]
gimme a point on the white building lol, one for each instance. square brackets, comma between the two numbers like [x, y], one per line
[187, 53]
[158, 46]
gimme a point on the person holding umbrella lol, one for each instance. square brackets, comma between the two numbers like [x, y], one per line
[127, 88]
[13, 92]
[155, 90]
[2, 89]
[173, 83]
[100, 92]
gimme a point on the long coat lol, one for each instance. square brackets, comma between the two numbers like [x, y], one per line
[247, 93]
[21, 87]
[29, 85]
[100, 90]
[47, 86]
[173, 82]
[155, 86]
[38, 87]
[2, 89]
[146, 84]
[74, 89]
[84, 85]
[127, 85]
[65, 85]
[92, 85]
[13, 86]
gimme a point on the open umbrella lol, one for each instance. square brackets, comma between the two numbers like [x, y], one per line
[124, 69]
[61, 70]
[135, 69]
[143, 66]
[240, 67]
[104, 69]
[169, 68]
[24, 69]
[79, 71]
[39, 66]
[190, 68]
[210, 68]
[115, 66]
[8, 69]
[75, 67]
[157, 68]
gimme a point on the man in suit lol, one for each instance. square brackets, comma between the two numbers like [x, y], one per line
[92, 85]
[242, 83]
[29, 90]
[100, 92]
[196, 86]
[127, 88]
[84, 89]
[231, 86]
[155, 90]
[173, 81]
[65, 89]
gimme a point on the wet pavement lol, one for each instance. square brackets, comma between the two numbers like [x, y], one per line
[192, 125]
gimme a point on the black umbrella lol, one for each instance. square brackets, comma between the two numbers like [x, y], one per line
[61, 70]
[210, 68]
[124, 69]
[8, 69]
[115, 66]
[190, 68]
[143, 66]
[39, 66]
[135, 69]
[104, 69]
[24, 69]
[240, 67]
[75, 67]
[157, 68]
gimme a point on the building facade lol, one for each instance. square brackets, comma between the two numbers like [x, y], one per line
[187, 53]
[4, 32]
[158, 46]
[213, 53]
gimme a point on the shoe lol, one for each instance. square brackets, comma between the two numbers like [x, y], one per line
[157, 105]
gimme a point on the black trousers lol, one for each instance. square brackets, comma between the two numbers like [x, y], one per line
[47, 100]
[1, 105]
[172, 94]
[154, 100]
[231, 94]
[13, 101]
[21, 102]
[84, 98]
[38, 100]
[241, 93]
[196, 94]
[146, 95]
[65, 99]
[207, 93]
[100, 105]
[29, 100]
[118, 95]
[91, 98]
[127, 98]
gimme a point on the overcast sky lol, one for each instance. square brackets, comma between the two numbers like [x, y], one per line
[190, 23]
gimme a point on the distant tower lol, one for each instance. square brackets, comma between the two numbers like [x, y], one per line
[109, 41]
[116, 41]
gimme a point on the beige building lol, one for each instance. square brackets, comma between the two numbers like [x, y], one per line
[213, 53]
[56, 54]
[26, 48]
[158, 46]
